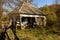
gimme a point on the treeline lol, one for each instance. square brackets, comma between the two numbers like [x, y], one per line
[53, 14]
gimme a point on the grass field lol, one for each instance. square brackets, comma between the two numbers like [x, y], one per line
[34, 34]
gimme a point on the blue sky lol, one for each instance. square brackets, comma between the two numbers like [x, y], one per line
[41, 3]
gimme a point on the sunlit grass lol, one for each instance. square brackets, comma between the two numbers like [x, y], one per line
[35, 34]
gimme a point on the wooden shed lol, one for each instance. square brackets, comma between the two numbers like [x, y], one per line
[28, 15]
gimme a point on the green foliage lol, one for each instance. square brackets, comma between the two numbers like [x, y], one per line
[4, 20]
[51, 15]
[34, 34]
[4, 17]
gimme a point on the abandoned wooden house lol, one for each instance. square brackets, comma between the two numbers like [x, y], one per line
[28, 16]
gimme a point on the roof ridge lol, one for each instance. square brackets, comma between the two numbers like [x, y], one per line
[26, 3]
[21, 7]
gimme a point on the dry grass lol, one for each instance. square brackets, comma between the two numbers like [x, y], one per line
[35, 34]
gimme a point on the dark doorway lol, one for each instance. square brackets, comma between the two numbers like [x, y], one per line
[30, 21]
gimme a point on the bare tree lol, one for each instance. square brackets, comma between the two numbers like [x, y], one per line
[1, 9]
[9, 5]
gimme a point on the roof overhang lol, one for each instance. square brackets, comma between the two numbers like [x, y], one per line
[30, 15]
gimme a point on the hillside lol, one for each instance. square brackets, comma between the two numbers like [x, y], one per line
[52, 10]
[55, 7]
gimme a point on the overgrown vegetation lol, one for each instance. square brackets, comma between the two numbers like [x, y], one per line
[53, 20]
[50, 32]
[35, 34]
[51, 15]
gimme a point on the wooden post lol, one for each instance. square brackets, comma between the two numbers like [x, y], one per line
[44, 21]
[20, 22]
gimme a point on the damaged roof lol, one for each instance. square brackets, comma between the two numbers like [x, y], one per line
[30, 9]
[27, 8]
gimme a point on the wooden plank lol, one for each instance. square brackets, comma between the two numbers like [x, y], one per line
[26, 15]
[23, 15]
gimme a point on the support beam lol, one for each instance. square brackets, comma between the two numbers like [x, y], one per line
[20, 21]
[44, 21]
